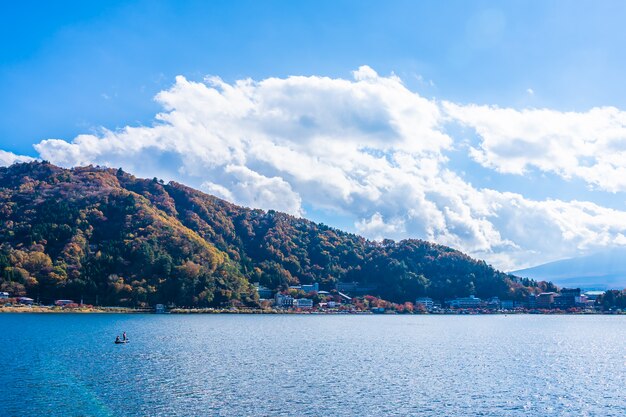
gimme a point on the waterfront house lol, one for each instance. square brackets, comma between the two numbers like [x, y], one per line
[303, 303]
[545, 300]
[507, 304]
[426, 302]
[466, 302]
[283, 300]
[25, 300]
[593, 295]
[567, 298]
[494, 303]
[582, 301]
[4, 295]
[63, 303]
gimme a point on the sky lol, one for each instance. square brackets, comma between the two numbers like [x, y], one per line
[497, 128]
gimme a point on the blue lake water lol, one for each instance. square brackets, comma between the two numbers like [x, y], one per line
[293, 365]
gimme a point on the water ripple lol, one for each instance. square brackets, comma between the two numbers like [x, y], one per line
[222, 365]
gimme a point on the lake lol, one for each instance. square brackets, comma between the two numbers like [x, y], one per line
[312, 365]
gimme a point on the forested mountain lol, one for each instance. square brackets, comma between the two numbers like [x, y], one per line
[94, 232]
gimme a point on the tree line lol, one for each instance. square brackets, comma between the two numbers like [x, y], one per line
[98, 233]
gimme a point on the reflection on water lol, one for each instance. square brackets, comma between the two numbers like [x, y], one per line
[233, 365]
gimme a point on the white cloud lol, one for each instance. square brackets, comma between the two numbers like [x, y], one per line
[257, 190]
[376, 227]
[9, 158]
[367, 148]
[590, 145]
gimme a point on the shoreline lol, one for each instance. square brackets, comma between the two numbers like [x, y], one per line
[79, 310]
[179, 311]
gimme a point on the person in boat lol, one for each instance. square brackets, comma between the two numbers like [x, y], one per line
[124, 336]
[117, 339]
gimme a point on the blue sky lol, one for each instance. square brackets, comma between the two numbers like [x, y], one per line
[58, 62]
[75, 68]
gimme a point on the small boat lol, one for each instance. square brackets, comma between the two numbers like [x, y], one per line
[121, 342]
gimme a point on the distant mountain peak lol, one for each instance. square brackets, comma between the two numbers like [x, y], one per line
[601, 270]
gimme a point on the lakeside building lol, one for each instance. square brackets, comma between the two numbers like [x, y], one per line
[494, 303]
[567, 298]
[25, 300]
[282, 300]
[63, 303]
[560, 303]
[264, 292]
[466, 302]
[331, 304]
[4, 295]
[426, 302]
[593, 295]
[303, 303]
[507, 304]
[545, 300]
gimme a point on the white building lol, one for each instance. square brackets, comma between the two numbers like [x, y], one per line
[427, 302]
[4, 295]
[593, 295]
[303, 303]
[466, 302]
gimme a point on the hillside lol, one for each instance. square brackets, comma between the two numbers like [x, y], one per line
[601, 270]
[102, 234]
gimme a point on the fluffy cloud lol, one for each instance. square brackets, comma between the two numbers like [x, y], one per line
[9, 158]
[368, 148]
[590, 145]
[255, 190]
